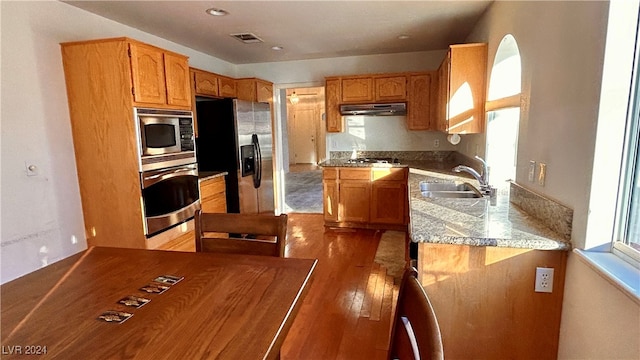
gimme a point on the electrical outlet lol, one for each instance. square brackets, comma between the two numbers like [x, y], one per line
[532, 170]
[544, 280]
[436, 143]
[542, 173]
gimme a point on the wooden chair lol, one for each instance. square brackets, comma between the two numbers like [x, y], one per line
[415, 333]
[241, 233]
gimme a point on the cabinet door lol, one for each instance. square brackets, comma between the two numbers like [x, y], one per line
[226, 87]
[357, 89]
[264, 91]
[419, 103]
[147, 70]
[177, 78]
[332, 99]
[443, 94]
[354, 200]
[389, 202]
[206, 83]
[246, 89]
[331, 200]
[391, 88]
[467, 88]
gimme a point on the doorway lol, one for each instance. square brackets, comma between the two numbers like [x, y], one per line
[306, 148]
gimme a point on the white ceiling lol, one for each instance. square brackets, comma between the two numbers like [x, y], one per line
[305, 29]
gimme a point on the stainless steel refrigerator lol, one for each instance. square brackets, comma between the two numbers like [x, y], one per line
[236, 136]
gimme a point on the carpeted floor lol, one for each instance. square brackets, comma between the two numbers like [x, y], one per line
[391, 253]
[303, 192]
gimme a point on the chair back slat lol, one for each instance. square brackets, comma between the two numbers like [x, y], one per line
[250, 234]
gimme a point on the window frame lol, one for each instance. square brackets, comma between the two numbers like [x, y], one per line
[629, 169]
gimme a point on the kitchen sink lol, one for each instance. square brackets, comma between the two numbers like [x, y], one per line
[449, 190]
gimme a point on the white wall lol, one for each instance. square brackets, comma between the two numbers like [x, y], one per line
[41, 215]
[562, 49]
[385, 133]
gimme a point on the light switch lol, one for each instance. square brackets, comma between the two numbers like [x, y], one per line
[542, 173]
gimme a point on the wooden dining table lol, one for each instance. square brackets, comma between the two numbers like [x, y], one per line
[222, 306]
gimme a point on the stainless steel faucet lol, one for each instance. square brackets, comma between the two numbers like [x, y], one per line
[483, 178]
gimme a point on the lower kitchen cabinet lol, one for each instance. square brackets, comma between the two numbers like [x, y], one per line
[213, 196]
[365, 197]
[485, 302]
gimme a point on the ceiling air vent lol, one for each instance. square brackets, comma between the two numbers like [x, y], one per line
[247, 38]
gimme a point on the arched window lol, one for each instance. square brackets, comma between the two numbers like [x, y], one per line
[503, 113]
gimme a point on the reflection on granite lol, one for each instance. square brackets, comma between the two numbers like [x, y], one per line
[474, 221]
[206, 175]
[557, 216]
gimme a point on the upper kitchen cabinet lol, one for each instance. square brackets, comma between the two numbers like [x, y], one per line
[412, 88]
[333, 95]
[357, 89]
[392, 88]
[419, 102]
[252, 89]
[462, 78]
[204, 83]
[209, 84]
[160, 78]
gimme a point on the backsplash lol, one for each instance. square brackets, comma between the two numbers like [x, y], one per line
[556, 216]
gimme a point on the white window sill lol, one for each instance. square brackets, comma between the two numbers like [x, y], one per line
[615, 270]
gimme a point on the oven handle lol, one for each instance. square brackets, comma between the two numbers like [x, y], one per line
[164, 175]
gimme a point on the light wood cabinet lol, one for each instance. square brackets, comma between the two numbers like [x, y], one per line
[389, 196]
[419, 103]
[392, 88]
[227, 87]
[213, 195]
[100, 76]
[462, 89]
[333, 95]
[485, 295]
[413, 88]
[159, 78]
[366, 197]
[205, 83]
[330, 194]
[253, 89]
[357, 89]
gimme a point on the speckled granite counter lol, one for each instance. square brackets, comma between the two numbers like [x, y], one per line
[474, 221]
[206, 175]
[344, 163]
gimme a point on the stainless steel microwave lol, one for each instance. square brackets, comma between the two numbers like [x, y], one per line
[164, 132]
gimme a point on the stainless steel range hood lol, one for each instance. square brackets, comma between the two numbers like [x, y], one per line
[394, 109]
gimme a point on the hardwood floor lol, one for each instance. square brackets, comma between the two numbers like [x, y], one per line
[347, 311]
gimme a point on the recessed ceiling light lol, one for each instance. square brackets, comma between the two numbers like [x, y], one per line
[216, 12]
[277, 48]
[403, 37]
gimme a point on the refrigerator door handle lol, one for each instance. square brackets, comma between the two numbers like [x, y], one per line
[257, 176]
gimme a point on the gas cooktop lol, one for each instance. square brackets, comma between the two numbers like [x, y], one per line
[373, 161]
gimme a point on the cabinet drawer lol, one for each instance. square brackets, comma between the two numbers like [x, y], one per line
[330, 174]
[355, 174]
[186, 242]
[388, 174]
[212, 187]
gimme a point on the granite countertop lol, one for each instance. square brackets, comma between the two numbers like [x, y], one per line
[206, 175]
[474, 222]
[344, 163]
